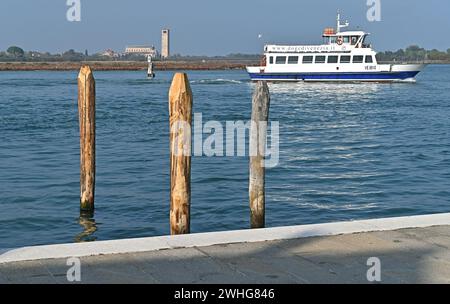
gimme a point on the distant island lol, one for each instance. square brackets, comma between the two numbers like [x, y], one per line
[415, 53]
[167, 65]
[16, 59]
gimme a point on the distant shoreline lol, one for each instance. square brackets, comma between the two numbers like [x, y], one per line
[127, 65]
[141, 65]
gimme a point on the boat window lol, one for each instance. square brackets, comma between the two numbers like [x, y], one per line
[345, 59]
[308, 59]
[271, 60]
[354, 40]
[358, 59]
[292, 59]
[346, 39]
[332, 59]
[280, 60]
[333, 40]
[320, 59]
[369, 59]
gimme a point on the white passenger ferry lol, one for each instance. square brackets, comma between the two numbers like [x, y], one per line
[345, 56]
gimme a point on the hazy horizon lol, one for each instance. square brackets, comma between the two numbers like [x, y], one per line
[215, 28]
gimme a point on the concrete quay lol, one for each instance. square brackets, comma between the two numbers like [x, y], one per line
[410, 250]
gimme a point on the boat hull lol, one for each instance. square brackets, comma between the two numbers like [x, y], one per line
[395, 73]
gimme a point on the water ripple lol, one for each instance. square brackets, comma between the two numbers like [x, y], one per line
[347, 151]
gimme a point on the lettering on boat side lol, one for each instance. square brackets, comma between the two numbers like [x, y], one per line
[302, 48]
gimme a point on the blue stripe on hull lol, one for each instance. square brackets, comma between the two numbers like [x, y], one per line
[335, 76]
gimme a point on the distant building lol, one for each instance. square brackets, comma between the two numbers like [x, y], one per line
[35, 54]
[142, 50]
[110, 53]
[165, 44]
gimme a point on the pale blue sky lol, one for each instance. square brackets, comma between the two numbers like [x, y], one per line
[208, 27]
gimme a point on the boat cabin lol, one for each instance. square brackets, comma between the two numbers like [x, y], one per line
[344, 55]
[355, 39]
[339, 47]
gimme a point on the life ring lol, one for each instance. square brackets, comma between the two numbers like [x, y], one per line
[263, 61]
[340, 40]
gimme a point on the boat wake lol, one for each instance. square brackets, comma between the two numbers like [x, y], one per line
[408, 80]
[216, 81]
[338, 207]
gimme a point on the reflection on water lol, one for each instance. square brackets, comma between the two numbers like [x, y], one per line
[347, 151]
[342, 90]
[87, 222]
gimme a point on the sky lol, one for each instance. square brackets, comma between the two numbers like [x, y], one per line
[214, 27]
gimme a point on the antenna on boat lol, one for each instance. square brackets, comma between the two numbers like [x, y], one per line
[339, 26]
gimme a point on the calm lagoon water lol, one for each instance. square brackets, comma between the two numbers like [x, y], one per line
[347, 151]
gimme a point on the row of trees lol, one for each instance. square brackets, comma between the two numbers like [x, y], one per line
[414, 53]
[14, 53]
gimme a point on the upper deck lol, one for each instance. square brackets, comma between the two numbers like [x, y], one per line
[335, 41]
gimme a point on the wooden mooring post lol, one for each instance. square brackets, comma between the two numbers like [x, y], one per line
[86, 115]
[180, 112]
[258, 134]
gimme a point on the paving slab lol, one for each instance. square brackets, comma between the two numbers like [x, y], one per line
[414, 255]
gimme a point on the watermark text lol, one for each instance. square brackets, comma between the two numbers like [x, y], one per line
[74, 271]
[374, 11]
[74, 11]
[214, 139]
[374, 272]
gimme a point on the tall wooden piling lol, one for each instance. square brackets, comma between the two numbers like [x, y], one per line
[258, 133]
[180, 111]
[86, 115]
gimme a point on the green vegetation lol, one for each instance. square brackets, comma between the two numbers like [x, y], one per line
[14, 54]
[15, 51]
[230, 57]
[414, 53]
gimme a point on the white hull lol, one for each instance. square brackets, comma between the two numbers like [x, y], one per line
[379, 73]
[344, 56]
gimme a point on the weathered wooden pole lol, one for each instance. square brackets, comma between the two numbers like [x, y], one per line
[258, 133]
[86, 115]
[180, 111]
